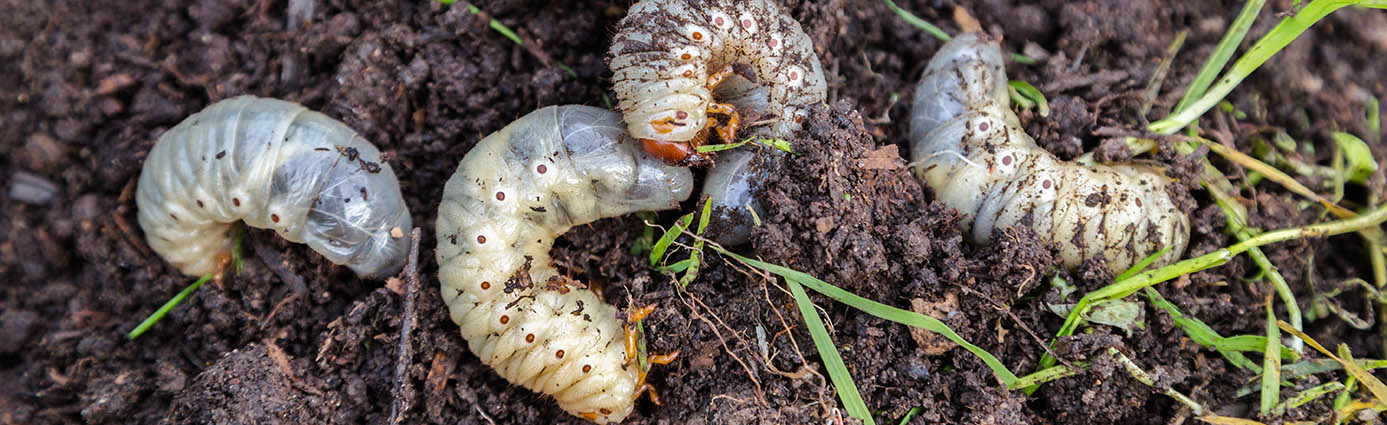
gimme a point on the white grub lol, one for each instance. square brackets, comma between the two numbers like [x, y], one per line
[664, 51]
[971, 149]
[276, 165]
[512, 195]
[662, 56]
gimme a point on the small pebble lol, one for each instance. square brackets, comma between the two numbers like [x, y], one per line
[16, 326]
[32, 189]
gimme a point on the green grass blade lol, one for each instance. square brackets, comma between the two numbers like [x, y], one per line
[1311, 367]
[1372, 116]
[1252, 343]
[169, 305]
[1236, 217]
[1142, 265]
[910, 414]
[720, 147]
[1229, 44]
[1307, 396]
[828, 351]
[1030, 95]
[1341, 400]
[780, 144]
[678, 266]
[1360, 159]
[883, 311]
[1271, 363]
[643, 242]
[703, 219]
[1044, 375]
[1283, 34]
[916, 22]
[238, 261]
[696, 255]
[657, 251]
[1201, 333]
[1218, 257]
[497, 25]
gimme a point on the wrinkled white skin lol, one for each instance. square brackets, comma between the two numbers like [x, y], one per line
[971, 149]
[274, 165]
[654, 81]
[516, 191]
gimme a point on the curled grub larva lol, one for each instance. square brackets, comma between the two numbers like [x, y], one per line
[674, 62]
[970, 148]
[668, 56]
[516, 191]
[275, 165]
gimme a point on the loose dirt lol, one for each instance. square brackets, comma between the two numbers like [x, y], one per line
[293, 339]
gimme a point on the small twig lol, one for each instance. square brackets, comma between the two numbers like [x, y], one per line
[484, 415]
[1141, 376]
[403, 392]
[885, 117]
[1102, 78]
[1003, 309]
[760, 397]
[1153, 86]
[274, 260]
[266, 321]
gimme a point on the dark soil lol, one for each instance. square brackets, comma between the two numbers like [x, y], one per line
[88, 87]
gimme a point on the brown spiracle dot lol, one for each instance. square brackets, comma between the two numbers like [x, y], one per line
[794, 75]
[500, 196]
[236, 201]
[1138, 201]
[688, 74]
[697, 35]
[587, 368]
[486, 285]
[681, 114]
[746, 23]
[542, 169]
[481, 239]
[558, 354]
[605, 411]
[274, 218]
[1046, 184]
[718, 21]
[772, 43]
[530, 338]
[982, 127]
[686, 56]
[505, 319]
[1006, 160]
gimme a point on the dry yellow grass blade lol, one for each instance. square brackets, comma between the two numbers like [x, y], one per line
[1228, 420]
[1374, 385]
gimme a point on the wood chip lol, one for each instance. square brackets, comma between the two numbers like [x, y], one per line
[933, 344]
[396, 285]
[884, 158]
[966, 22]
[114, 84]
